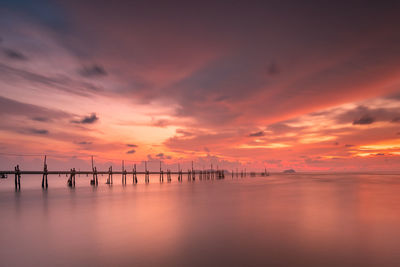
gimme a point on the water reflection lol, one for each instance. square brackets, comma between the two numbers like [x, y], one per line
[281, 220]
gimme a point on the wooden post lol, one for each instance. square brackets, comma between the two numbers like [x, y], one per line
[123, 173]
[17, 178]
[44, 183]
[134, 175]
[193, 173]
[161, 174]
[94, 171]
[146, 177]
[109, 179]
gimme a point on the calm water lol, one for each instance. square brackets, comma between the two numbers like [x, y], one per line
[281, 220]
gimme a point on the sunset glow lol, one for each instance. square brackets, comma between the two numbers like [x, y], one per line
[142, 84]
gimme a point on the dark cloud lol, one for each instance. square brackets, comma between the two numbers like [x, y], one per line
[131, 145]
[38, 131]
[60, 82]
[366, 119]
[159, 156]
[380, 154]
[85, 143]
[348, 145]
[363, 115]
[13, 54]
[257, 134]
[132, 151]
[41, 119]
[93, 71]
[160, 123]
[184, 132]
[221, 98]
[92, 118]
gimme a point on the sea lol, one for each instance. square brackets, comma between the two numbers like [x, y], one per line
[300, 219]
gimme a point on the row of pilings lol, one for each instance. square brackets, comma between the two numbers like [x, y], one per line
[192, 174]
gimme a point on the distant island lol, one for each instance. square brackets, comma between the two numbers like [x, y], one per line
[289, 171]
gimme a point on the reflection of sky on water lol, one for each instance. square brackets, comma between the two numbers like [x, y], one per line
[302, 220]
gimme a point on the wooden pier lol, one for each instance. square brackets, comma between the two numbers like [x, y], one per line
[209, 174]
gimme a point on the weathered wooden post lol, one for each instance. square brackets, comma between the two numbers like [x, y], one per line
[94, 172]
[179, 172]
[161, 174]
[134, 175]
[109, 179]
[44, 173]
[123, 174]
[193, 173]
[69, 182]
[146, 177]
[17, 178]
[74, 175]
[168, 175]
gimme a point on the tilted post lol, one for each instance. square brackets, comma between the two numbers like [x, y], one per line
[44, 183]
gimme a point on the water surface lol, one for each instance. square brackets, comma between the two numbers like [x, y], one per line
[280, 220]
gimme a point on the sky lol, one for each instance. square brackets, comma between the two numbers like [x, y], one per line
[307, 85]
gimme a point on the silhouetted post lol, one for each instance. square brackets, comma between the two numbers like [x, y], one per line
[44, 174]
[69, 182]
[109, 179]
[94, 170]
[97, 179]
[146, 177]
[135, 176]
[179, 173]
[161, 174]
[169, 175]
[17, 178]
[123, 173]
[193, 173]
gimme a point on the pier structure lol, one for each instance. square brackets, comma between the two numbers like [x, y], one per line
[71, 174]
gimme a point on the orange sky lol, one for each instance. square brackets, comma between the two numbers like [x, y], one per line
[309, 87]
